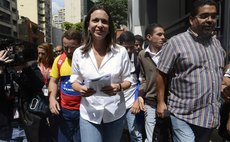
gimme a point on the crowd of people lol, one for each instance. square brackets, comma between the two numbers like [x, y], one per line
[100, 88]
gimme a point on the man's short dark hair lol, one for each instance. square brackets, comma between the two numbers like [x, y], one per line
[72, 34]
[126, 36]
[199, 3]
[150, 28]
[139, 38]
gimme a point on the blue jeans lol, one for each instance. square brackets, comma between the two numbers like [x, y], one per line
[150, 122]
[69, 130]
[135, 126]
[18, 135]
[104, 132]
[185, 132]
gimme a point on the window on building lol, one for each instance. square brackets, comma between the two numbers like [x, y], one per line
[4, 17]
[5, 30]
[15, 22]
[14, 10]
[6, 4]
[15, 34]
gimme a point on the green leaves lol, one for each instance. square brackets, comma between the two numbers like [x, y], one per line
[118, 9]
[77, 26]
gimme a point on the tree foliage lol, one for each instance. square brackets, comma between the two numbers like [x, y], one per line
[118, 9]
[77, 26]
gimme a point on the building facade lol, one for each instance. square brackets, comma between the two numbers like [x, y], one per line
[39, 12]
[8, 19]
[59, 18]
[72, 11]
[30, 31]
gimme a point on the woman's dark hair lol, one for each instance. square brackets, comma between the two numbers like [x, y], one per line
[109, 39]
[150, 29]
[199, 3]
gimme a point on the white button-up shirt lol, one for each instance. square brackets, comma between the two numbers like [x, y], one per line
[101, 106]
[130, 93]
[155, 56]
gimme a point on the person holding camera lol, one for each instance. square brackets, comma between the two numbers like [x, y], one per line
[10, 127]
[21, 79]
[5, 107]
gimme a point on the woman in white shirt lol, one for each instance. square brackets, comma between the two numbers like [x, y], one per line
[102, 109]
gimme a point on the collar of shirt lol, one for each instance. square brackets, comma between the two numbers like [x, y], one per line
[113, 49]
[154, 56]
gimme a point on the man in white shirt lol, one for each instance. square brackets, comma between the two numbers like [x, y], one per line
[148, 60]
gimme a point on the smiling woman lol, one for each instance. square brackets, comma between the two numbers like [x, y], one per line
[102, 110]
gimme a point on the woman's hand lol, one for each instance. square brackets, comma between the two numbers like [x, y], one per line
[111, 90]
[83, 90]
[86, 92]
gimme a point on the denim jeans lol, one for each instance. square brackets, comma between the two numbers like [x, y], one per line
[134, 126]
[18, 135]
[150, 122]
[69, 130]
[104, 132]
[185, 132]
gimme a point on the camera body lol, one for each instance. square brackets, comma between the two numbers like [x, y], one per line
[14, 51]
[18, 52]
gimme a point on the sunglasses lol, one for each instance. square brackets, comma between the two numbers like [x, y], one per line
[58, 51]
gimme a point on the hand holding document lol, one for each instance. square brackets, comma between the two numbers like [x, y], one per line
[99, 82]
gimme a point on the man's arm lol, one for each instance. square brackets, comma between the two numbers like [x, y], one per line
[53, 90]
[142, 79]
[160, 87]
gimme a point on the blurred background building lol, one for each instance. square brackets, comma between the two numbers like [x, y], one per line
[8, 18]
[39, 12]
[72, 11]
[59, 18]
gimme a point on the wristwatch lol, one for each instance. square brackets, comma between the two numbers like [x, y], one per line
[120, 87]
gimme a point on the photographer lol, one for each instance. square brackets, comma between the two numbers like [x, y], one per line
[25, 81]
[5, 107]
[31, 82]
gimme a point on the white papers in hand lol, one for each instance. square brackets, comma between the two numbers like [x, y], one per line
[99, 82]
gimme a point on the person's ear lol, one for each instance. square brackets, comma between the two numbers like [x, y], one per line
[191, 20]
[148, 37]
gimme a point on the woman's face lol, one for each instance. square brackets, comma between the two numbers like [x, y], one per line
[42, 54]
[99, 24]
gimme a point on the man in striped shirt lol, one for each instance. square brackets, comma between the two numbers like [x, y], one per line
[192, 66]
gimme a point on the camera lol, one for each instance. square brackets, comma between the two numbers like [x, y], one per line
[19, 52]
